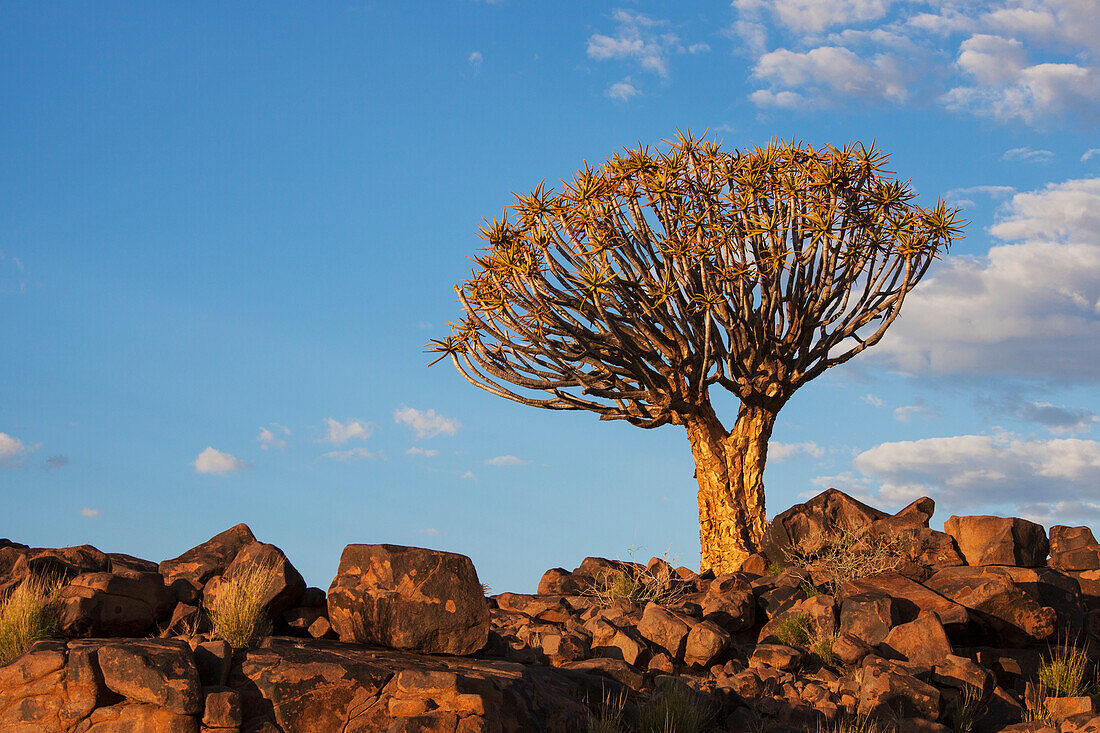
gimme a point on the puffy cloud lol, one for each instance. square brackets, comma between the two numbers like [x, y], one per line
[475, 59]
[427, 453]
[814, 16]
[785, 451]
[642, 40]
[1028, 154]
[340, 433]
[622, 91]
[872, 400]
[426, 423]
[830, 70]
[972, 471]
[13, 450]
[273, 436]
[216, 462]
[352, 454]
[1030, 309]
[89, 513]
[469, 475]
[506, 461]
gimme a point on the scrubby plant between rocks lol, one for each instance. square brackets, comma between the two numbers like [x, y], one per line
[609, 717]
[674, 710]
[967, 710]
[857, 724]
[237, 611]
[795, 630]
[636, 583]
[844, 554]
[1065, 673]
[28, 614]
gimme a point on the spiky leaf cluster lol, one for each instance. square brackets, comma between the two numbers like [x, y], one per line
[646, 281]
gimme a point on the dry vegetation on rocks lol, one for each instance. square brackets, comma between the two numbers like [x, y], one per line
[974, 630]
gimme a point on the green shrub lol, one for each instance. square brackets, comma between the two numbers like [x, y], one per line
[821, 646]
[28, 614]
[237, 611]
[1065, 672]
[675, 710]
[795, 630]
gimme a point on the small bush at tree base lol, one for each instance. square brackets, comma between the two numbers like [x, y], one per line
[27, 615]
[237, 611]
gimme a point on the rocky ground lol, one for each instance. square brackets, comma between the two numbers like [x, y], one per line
[848, 612]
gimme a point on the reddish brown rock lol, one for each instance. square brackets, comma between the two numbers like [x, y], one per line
[986, 540]
[885, 691]
[113, 604]
[803, 525]
[1061, 708]
[734, 611]
[213, 659]
[1073, 549]
[161, 672]
[997, 602]
[202, 562]
[705, 643]
[922, 641]
[867, 617]
[776, 656]
[287, 584]
[910, 597]
[850, 649]
[136, 717]
[963, 674]
[665, 629]
[221, 707]
[408, 598]
[559, 582]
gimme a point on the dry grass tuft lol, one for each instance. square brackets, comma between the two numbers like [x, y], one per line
[237, 611]
[1065, 673]
[28, 614]
[675, 710]
[637, 583]
[841, 555]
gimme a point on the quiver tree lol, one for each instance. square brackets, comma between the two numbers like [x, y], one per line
[659, 276]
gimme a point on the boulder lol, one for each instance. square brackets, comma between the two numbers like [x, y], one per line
[665, 629]
[867, 617]
[287, 584]
[986, 540]
[221, 707]
[113, 604]
[922, 641]
[160, 672]
[705, 643]
[559, 582]
[130, 716]
[803, 525]
[884, 691]
[203, 562]
[1007, 611]
[733, 611]
[776, 656]
[910, 597]
[1073, 549]
[408, 598]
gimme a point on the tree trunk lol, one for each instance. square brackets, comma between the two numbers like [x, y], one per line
[730, 470]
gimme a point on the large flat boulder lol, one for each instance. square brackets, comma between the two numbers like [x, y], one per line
[987, 540]
[1009, 613]
[409, 598]
[114, 604]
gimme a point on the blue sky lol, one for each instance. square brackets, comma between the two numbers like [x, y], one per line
[226, 234]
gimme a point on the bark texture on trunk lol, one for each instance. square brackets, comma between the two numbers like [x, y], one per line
[730, 470]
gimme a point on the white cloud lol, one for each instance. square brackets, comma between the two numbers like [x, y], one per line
[427, 453]
[1031, 62]
[974, 471]
[475, 59]
[1028, 309]
[352, 454]
[426, 423]
[469, 475]
[1058, 419]
[273, 436]
[340, 433]
[89, 513]
[906, 413]
[960, 195]
[216, 462]
[431, 531]
[785, 451]
[872, 400]
[641, 40]
[1029, 155]
[829, 69]
[13, 450]
[622, 91]
[506, 461]
[1091, 152]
